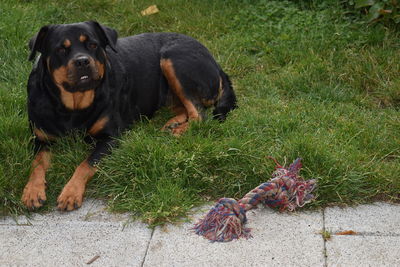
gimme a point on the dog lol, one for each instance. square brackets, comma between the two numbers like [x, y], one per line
[88, 79]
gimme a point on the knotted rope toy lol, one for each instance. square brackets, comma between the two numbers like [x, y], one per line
[286, 190]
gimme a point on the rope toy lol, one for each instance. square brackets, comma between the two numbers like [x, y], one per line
[286, 190]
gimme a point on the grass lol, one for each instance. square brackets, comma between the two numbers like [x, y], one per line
[311, 83]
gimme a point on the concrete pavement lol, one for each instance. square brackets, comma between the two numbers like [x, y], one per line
[279, 239]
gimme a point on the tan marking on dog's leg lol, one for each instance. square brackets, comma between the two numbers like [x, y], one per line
[175, 85]
[98, 126]
[34, 193]
[181, 117]
[71, 196]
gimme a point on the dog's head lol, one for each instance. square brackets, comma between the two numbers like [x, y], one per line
[74, 54]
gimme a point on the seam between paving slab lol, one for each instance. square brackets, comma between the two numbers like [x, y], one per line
[370, 234]
[322, 235]
[148, 246]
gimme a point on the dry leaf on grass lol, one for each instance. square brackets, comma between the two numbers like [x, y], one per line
[150, 10]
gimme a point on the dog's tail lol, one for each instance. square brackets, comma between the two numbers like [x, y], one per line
[227, 101]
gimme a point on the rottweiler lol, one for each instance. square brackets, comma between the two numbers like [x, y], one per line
[88, 79]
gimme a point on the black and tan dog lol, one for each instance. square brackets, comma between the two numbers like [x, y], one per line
[88, 79]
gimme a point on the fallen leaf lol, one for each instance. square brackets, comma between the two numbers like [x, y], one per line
[150, 10]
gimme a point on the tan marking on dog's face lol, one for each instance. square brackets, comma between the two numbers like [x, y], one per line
[100, 69]
[64, 74]
[60, 75]
[82, 38]
[42, 135]
[98, 126]
[97, 69]
[67, 43]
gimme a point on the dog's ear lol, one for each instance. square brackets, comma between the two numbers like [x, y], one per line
[108, 34]
[37, 41]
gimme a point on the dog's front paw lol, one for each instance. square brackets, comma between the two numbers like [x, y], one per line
[71, 196]
[34, 194]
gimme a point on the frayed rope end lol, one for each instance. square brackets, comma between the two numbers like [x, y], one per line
[224, 222]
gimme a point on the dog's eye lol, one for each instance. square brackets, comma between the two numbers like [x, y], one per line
[92, 45]
[61, 50]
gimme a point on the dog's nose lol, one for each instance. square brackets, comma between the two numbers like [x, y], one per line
[82, 61]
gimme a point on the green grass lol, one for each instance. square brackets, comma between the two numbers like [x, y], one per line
[310, 83]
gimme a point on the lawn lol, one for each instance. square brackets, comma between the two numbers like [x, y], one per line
[311, 81]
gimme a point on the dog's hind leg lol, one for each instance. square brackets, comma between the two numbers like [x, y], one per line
[188, 111]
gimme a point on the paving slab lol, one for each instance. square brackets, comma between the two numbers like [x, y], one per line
[279, 239]
[73, 239]
[376, 239]
[363, 251]
[374, 218]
